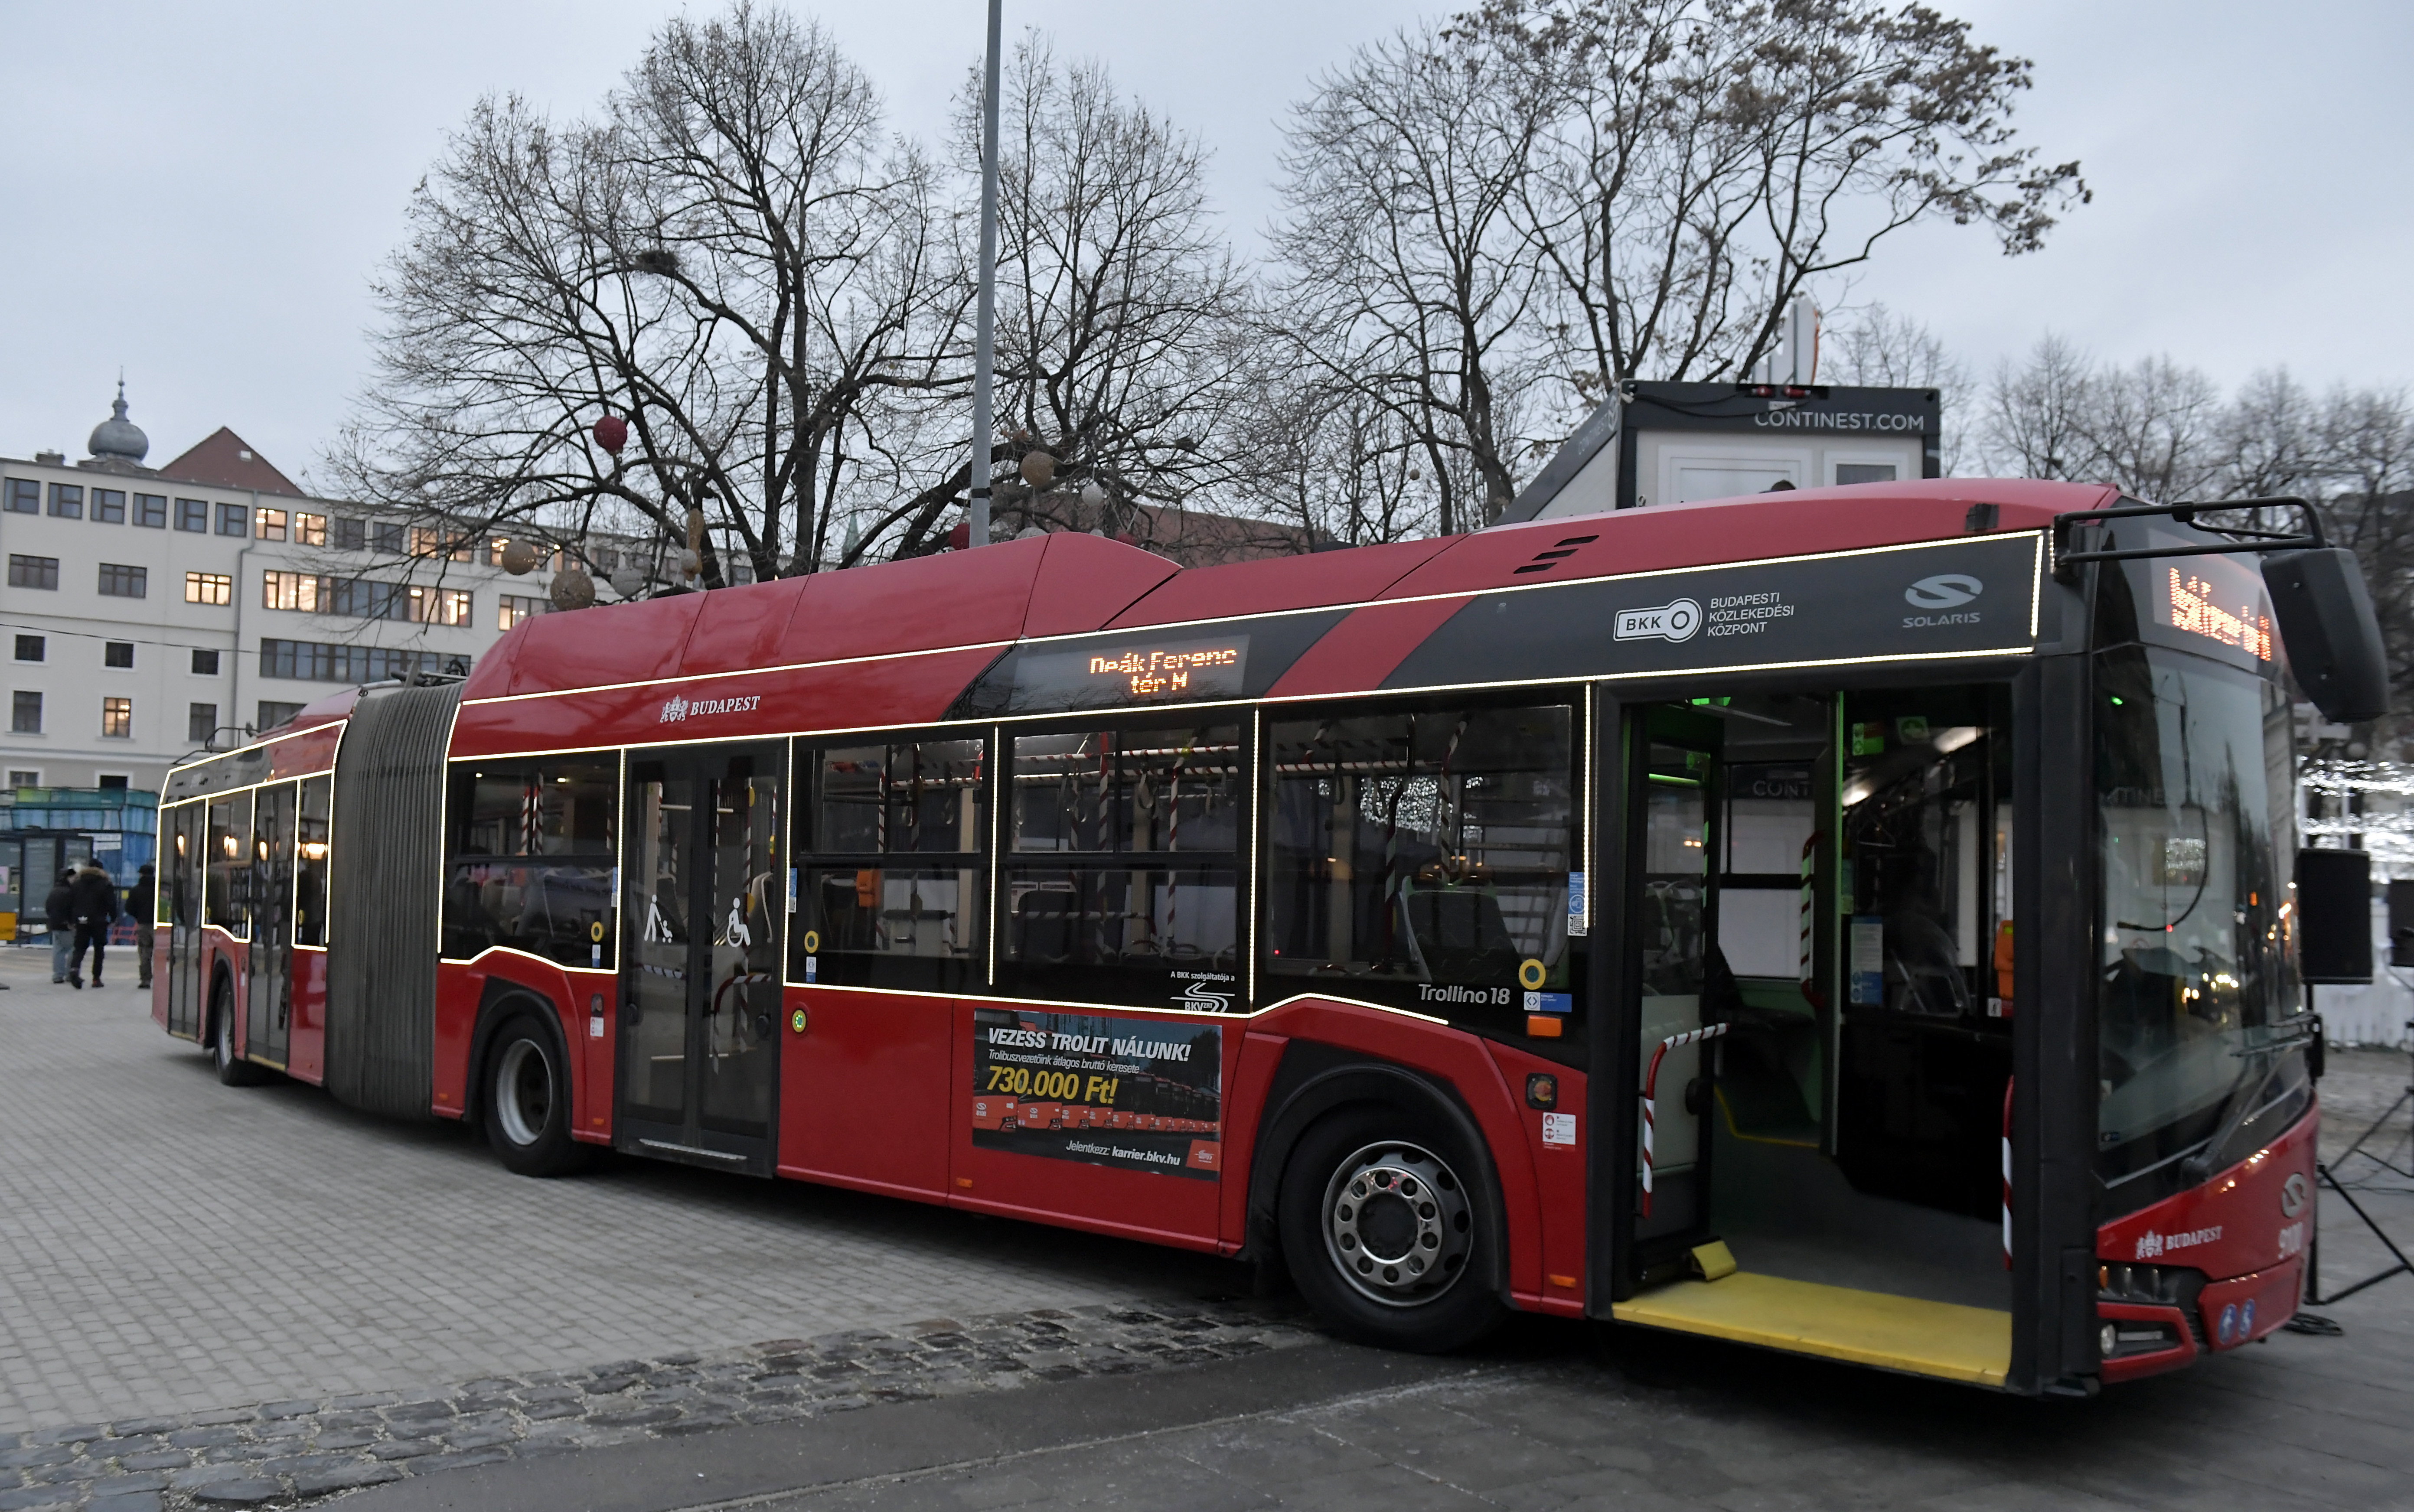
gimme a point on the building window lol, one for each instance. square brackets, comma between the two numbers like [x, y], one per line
[192, 515]
[387, 536]
[291, 590]
[439, 606]
[517, 607]
[20, 776]
[24, 497]
[201, 723]
[268, 524]
[274, 713]
[351, 534]
[321, 661]
[33, 572]
[208, 587]
[233, 520]
[117, 653]
[109, 781]
[117, 719]
[364, 600]
[25, 713]
[151, 510]
[109, 505]
[32, 647]
[431, 540]
[119, 581]
[67, 500]
[205, 663]
[310, 529]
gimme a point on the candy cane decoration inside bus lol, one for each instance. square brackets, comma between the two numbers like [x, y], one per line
[2007, 1173]
[1650, 1093]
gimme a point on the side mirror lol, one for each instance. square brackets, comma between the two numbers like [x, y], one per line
[2331, 635]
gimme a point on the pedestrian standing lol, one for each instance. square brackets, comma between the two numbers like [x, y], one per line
[59, 910]
[141, 905]
[95, 909]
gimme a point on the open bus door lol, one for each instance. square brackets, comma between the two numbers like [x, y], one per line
[1814, 1038]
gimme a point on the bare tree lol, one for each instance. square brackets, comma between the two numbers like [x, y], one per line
[1123, 315]
[1409, 280]
[2153, 429]
[1883, 349]
[733, 257]
[1710, 159]
[2037, 418]
[1502, 218]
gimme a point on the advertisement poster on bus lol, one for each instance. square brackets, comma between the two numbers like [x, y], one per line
[1127, 1092]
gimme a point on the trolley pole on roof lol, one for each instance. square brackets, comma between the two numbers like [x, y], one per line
[985, 336]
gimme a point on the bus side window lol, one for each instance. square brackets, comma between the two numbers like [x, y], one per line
[227, 863]
[1122, 871]
[534, 848]
[888, 886]
[1422, 860]
[310, 863]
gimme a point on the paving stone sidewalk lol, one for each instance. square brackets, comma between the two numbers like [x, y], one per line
[284, 1453]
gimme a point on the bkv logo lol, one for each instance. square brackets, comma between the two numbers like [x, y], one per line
[1674, 621]
[1946, 590]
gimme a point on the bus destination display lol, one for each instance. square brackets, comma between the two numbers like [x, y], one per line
[1134, 672]
[1142, 1095]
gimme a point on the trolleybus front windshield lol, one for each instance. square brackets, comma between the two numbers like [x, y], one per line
[2197, 950]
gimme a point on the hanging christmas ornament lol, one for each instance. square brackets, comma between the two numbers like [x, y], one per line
[611, 434]
[571, 589]
[519, 558]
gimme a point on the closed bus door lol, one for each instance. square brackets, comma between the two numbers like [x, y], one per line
[268, 1000]
[703, 910]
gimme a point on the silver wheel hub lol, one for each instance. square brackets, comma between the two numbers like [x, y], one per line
[1397, 1223]
[523, 1092]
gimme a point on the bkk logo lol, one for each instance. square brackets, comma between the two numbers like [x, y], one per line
[1674, 621]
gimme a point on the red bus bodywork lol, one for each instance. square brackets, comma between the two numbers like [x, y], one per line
[872, 1095]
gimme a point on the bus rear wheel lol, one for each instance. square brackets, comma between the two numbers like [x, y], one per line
[233, 1070]
[1383, 1233]
[527, 1102]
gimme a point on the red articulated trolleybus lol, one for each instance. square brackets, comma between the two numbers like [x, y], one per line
[1857, 921]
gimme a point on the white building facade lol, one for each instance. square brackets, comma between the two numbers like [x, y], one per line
[149, 614]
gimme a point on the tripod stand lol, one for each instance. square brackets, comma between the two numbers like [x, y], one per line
[2329, 1173]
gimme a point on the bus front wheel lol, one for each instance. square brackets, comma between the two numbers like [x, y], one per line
[233, 1070]
[527, 1102]
[1384, 1234]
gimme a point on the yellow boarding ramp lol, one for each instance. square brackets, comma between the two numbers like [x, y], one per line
[1896, 1333]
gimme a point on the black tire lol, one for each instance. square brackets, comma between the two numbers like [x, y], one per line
[526, 1099]
[1388, 1229]
[233, 1070]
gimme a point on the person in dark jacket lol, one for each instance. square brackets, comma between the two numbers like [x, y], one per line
[142, 906]
[95, 909]
[58, 909]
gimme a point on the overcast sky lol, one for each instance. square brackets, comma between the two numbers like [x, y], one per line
[200, 194]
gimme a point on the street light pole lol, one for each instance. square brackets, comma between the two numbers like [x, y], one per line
[985, 336]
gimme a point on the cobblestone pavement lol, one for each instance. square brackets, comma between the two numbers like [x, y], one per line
[171, 1246]
[297, 1450]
